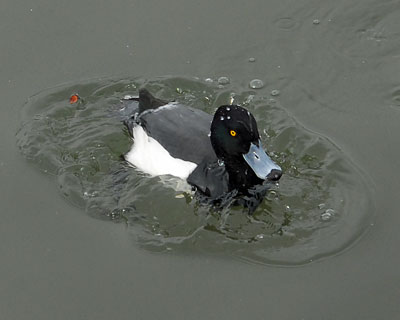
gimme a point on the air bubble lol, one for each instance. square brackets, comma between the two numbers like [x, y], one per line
[252, 59]
[179, 90]
[209, 80]
[256, 84]
[275, 93]
[221, 162]
[316, 21]
[223, 80]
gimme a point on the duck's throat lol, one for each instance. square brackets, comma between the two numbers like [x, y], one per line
[241, 176]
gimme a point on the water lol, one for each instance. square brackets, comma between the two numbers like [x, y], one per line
[338, 79]
[81, 145]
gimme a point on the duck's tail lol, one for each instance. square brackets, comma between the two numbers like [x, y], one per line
[147, 101]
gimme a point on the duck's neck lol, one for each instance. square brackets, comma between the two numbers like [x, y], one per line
[241, 176]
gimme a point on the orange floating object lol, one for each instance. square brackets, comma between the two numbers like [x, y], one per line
[74, 98]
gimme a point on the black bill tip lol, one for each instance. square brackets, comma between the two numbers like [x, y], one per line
[274, 175]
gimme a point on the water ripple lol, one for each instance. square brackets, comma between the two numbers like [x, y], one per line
[321, 206]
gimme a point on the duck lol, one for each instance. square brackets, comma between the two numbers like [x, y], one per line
[215, 154]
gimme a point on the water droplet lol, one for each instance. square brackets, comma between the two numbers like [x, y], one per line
[228, 109]
[209, 134]
[260, 236]
[275, 93]
[228, 117]
[220, 162]
[327, 215]
[248, 99]
[256, 84]
[252, 59]
[114, 214]
[222, 118]
[316, 21]
[223, 80]
[179, 90]
[179, 196]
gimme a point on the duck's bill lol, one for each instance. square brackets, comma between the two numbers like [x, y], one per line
[261, 163]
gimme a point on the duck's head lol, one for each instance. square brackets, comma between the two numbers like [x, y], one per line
[236, 142]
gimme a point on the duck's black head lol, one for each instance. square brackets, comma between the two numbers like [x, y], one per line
[236, 141]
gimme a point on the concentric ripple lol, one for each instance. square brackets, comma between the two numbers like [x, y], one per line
[320, 207]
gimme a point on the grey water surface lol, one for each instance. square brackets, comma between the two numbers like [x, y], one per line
[322, 79]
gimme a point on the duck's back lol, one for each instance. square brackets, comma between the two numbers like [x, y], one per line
[182, 131]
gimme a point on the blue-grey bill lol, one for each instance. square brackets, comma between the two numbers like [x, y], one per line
[259, 161]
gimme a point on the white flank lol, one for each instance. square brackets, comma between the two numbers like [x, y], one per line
[149, 156]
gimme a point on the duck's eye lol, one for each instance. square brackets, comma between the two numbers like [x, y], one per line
[233, 133]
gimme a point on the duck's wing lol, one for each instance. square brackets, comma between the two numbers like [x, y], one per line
[182, 131]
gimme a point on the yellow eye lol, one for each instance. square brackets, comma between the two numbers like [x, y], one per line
[233, 133]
